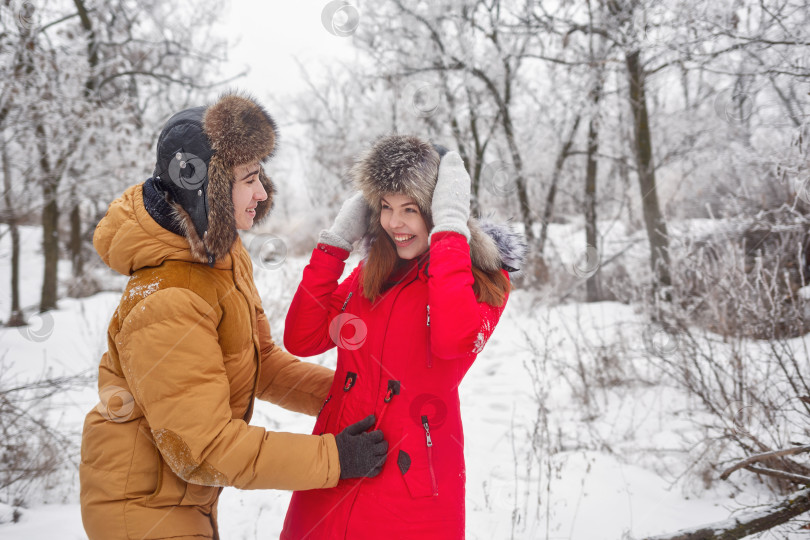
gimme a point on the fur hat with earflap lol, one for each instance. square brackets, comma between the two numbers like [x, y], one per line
[409, 166]
[190, 192]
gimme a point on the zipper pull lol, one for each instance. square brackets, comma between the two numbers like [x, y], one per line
[427, 431]
[428, 356]
[347, 301]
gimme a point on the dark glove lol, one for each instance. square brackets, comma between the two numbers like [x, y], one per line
[360, 453]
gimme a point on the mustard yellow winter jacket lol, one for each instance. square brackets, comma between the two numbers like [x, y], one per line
[188, 349]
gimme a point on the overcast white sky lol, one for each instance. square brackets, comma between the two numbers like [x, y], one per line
[267, 37]
[271, 34]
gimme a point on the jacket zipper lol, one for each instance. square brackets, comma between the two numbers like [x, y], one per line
[429, 443]
[324, 405]
[323, 429]
[428, 356]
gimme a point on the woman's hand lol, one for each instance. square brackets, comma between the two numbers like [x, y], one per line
[451, 198]
[350, 224]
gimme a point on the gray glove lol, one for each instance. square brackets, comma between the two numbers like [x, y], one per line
[361, 454]
[350, 224]
[451, 198]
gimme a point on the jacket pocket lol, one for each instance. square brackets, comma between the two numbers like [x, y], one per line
[159, 482]
[416, 463]
[170, 489]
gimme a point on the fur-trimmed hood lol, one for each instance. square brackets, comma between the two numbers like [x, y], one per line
[196, 152]
[128, 238]
[409, 166]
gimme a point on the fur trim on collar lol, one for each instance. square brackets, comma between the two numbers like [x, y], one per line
[512, 247]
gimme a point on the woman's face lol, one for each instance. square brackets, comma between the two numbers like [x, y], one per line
[403, 222]
[247, 193]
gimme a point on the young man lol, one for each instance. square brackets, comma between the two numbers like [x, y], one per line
[189, 347]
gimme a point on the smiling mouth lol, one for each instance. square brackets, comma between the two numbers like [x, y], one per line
[403, 238]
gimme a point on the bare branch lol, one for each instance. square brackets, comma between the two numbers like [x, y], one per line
[748, 524]
[759, 457]
[798, 478]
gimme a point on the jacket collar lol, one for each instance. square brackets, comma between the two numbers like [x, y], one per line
[129, 238]
[407, 271]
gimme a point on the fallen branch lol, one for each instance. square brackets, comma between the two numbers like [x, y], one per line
[797, 478]
[748, 524]
[744, 464]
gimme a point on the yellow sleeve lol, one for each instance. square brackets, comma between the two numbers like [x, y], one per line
[170, 355]
[287, 381]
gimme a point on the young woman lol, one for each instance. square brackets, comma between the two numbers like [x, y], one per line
[408, 323]
[189, 347]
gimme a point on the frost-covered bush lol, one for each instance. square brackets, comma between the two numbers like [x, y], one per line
[33, 450]
[744, 278]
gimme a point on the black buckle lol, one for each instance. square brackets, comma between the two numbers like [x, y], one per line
[393, 390]
[351, 378]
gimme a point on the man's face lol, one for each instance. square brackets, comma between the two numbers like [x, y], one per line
[247, 193]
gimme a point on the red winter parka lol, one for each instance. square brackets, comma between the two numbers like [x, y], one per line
[401, 358]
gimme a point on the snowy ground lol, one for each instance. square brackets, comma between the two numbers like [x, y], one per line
[549, 454]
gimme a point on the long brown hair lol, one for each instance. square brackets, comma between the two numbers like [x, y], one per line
[489, 287]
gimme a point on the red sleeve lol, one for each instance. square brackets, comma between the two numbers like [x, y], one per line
[317, 301]
[459, 324]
